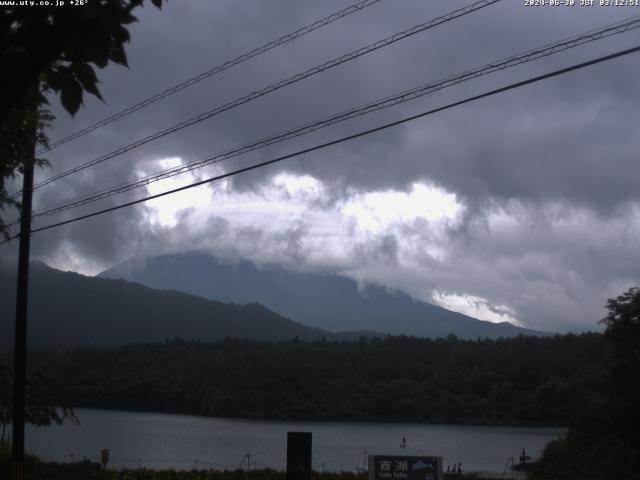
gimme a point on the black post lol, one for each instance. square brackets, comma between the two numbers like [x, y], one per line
[298, 455]
[20, 347]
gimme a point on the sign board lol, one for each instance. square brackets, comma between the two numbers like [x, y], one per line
[402, 467]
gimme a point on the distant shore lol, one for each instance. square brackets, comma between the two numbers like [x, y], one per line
[403, 420]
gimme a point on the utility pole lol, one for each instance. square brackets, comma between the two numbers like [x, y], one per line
[20, 345]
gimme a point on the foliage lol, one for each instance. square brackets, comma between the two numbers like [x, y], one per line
[42, 402]
[56, 46]
[38, 470]
[18, 130]
[35, 469]
[44, 49]
[603, 441]
[525, 380]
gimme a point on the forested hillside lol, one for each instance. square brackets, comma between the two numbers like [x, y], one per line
[68, 310]
[524, 380]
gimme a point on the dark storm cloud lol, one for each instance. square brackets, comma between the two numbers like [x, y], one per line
[381, 249]
[478, 140]
[569, 143]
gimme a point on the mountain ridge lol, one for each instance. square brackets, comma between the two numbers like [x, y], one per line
[325, 301]
[67, 309]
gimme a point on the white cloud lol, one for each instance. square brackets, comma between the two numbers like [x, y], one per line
[281, 222]
[377, 211]
[166, 211]
[548, 267]
[475, 307]
[529, 265]
[287, 201]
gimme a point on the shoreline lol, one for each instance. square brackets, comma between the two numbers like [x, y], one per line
[268, 420]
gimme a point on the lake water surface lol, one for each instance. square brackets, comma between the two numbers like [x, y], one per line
[184, 442]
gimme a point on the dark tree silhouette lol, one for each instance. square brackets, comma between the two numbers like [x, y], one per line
[43, 407]
[603, 442]
[536, 381]
[55, 49]
[623, 368]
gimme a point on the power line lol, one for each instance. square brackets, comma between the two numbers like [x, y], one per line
[514, 60]
[276, 86]
[343, 139]
[215, 70]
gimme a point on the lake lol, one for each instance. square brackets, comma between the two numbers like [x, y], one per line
[184, 442]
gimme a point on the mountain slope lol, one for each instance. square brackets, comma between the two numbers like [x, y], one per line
[67, 309]
[329, 302]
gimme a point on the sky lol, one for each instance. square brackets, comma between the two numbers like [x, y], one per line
[520, 207]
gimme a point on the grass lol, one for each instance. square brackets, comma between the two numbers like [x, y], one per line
[36, 469]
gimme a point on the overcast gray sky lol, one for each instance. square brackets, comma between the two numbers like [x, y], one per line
[523, 206]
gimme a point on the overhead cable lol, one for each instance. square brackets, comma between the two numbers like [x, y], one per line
[213, 71]
[514, 60]
[341, 140]
[273, 87]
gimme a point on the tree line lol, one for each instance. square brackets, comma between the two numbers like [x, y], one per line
[524, 380]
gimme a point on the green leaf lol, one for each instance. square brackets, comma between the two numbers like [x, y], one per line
[54, 79]
[100, 55]
[85, 74]
[42, 100]
[71, 95]
[63, 81]
[118, 55]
